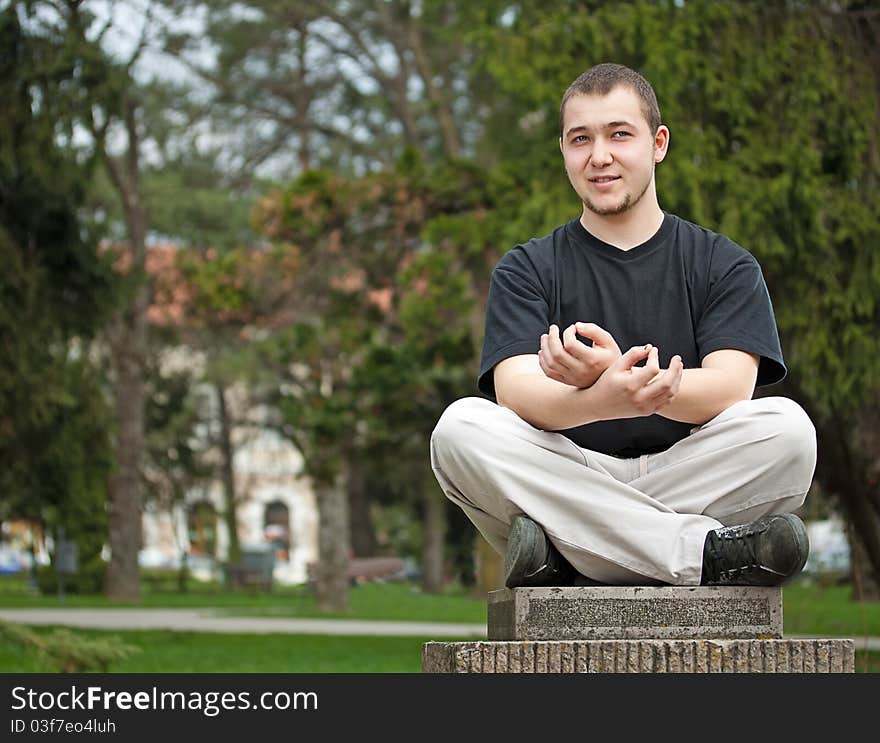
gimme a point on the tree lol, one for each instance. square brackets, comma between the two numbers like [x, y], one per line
[111, 110]
[55, 292]
[344, 85]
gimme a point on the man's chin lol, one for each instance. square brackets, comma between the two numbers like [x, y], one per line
[609, 210]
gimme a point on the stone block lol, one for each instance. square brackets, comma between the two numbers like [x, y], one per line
[635, 612]
[642, 656]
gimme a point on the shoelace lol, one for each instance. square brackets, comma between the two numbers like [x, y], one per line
[729, 555]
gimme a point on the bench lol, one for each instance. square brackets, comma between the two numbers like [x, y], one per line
[254, 569]
[366, 569]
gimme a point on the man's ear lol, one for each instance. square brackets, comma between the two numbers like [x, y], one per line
[661, 143]
[560, 145]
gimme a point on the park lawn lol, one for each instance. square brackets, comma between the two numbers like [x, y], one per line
[163, 651]
[380, 601]
[811, 609]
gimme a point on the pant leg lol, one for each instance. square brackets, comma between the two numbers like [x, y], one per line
[756, 457]
[494, 466]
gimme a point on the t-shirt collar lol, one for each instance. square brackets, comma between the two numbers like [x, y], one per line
[580, 234]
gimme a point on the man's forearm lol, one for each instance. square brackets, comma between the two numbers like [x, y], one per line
[547, 404]
[704, 393]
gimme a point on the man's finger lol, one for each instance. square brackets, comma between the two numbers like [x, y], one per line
[633, 356]
[544, 362]
[676, 366]
[574, 347]
[665, 385]
[553, 360]
[647, 373]
[554, 346]
[595, 333]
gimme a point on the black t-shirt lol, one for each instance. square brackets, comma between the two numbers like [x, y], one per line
[686, 290]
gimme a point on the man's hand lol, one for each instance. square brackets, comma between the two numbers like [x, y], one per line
[571, 362]
[628, 391]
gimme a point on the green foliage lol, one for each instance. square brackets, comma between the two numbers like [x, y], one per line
[189, 202]
[87, 581]
[55, 292]
[63, 651]
[388, 281]
[174, 459]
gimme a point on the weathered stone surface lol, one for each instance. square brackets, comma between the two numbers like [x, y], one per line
[635, 612]
[641, 656]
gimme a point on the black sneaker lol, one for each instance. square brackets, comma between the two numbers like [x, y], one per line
[532, 560]
[766, 552]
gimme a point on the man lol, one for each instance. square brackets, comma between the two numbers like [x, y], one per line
[623, 351]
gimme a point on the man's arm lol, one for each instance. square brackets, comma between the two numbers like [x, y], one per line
[622, 391]
[724, 378]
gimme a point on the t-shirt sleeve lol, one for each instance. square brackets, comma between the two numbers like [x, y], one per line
[517, 313]
[738, 313]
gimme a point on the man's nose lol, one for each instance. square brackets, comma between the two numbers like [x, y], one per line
[601, 154]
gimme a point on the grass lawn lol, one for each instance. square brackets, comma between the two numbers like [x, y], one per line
[206, 652]
[388, 601]
[810, 609]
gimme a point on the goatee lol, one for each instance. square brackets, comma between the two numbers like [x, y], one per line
[624, 205]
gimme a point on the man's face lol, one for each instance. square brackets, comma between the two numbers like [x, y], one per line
[609, 150]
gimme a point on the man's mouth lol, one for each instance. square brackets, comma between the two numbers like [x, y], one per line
[604, 178]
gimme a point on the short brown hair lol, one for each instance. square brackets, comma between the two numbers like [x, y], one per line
[603, 78]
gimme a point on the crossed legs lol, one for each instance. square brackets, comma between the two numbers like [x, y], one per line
[625, 521]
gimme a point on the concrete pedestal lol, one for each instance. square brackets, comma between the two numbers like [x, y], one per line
[635, 612]
[641, 656]
[631, 629]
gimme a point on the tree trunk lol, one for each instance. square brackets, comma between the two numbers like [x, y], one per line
[440, 105]
[227, 453]
[490, 568]
[363, 538]
[303, 104]
[846, 471]
[331, 578]
[129, 348]
[123, 574]
[865, 586]
[434, 541]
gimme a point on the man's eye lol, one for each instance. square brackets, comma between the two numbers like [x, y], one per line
[579, 139]
[621, 135]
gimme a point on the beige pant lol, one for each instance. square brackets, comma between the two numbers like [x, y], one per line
[625, 521]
